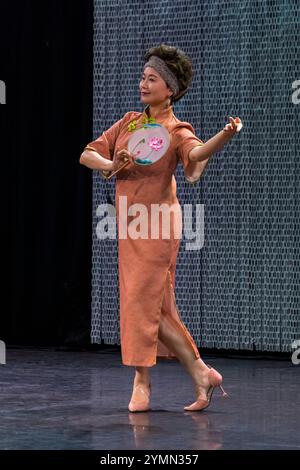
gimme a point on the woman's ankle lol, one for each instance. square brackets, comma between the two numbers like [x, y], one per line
[142, 376]
[200, 374]
[201, 365]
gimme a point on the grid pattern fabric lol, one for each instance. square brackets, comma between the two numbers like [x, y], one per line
[241, 290]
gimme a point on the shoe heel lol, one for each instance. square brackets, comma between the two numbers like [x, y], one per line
[216, 380]
[224, 394]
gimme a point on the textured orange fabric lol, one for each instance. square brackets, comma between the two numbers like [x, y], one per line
[147, 265]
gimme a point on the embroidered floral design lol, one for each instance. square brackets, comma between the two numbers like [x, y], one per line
[150, 120]
[146, 122]
[155, 143]
[132, 125]
[142, 141]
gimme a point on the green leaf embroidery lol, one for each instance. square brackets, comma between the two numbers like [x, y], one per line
[132, 125]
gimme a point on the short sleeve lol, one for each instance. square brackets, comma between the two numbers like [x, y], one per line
[186, 141]
[105, 144]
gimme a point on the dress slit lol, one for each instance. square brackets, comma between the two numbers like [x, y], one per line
[169, 307]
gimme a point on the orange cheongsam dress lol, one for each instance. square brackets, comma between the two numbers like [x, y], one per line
[147, 265]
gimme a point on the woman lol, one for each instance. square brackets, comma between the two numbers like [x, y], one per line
[150, 323]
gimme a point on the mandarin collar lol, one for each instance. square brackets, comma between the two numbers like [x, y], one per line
[164, 113]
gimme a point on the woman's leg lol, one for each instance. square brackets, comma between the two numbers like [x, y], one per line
[142, 376]
[175, 336]
[172, 335]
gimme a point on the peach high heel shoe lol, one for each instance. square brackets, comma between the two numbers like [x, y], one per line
[140, 399]
[215, 380]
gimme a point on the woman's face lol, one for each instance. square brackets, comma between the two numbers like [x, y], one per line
[153, 88]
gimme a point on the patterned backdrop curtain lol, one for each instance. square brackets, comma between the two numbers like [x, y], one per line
[241, 290]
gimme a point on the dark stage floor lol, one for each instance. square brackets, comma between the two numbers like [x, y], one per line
[53, 399]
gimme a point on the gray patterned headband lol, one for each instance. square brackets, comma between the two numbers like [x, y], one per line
[161, 67]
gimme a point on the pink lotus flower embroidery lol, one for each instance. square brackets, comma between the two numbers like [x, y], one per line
[155, 143]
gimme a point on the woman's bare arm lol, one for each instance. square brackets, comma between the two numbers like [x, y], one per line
[217, 142]
[93, 160]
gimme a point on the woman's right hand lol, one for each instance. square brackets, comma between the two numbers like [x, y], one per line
[120, 158]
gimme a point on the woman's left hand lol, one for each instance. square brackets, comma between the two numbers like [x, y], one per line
[234, 126]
